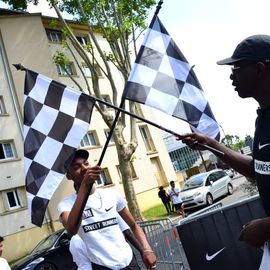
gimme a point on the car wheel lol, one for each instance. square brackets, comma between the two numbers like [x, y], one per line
[209, 199]
[230, 189]
[45, 266]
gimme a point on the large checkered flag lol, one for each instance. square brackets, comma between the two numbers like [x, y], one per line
[162, 78]
[56, 118]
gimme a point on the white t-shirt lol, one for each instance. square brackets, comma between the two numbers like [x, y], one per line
[175, 199]
[4, 264]
[79, 251]
[103, 238]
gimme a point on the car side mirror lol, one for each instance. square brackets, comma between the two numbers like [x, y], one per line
[64, 242]
[211, 183]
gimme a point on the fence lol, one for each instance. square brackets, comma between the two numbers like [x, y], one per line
[163, 237]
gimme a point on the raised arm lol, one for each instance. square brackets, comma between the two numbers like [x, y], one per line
[72, 220]
[241, 163]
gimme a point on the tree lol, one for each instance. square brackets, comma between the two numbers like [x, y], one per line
[118, 21]
[233, 142]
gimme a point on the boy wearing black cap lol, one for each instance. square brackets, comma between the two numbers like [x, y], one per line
[98, 226]
[251, 78]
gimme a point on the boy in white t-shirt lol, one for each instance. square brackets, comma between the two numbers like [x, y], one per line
[174, 193]
[3, 262]
[97, 224]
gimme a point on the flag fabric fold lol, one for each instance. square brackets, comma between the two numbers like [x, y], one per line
[56, 118]
[162, 78]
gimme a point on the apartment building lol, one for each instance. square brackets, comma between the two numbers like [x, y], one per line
[30, 40]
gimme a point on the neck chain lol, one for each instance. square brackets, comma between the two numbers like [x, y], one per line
[101, 202]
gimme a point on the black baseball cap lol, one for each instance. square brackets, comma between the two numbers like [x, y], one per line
[253, 48]
[78, 153]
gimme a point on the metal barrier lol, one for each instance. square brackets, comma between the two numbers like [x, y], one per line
[163, 237]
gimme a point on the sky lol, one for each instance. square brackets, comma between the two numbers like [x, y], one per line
[207, 31]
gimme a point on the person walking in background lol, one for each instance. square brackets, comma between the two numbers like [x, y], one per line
[250, 76]
[174, 193]
[3, 262]
[165, 198]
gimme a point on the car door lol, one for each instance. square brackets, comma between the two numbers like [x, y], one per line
[61, 256]
[220, 183]
[213, 187]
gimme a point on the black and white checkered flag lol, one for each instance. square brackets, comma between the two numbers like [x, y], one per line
[162, 78]
[56, 118]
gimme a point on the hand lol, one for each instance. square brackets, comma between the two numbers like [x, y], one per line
[192, 140]
[256, 232]
[149, 259]
[91, 174]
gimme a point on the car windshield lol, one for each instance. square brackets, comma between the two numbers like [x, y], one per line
[46, 243]
[195, 181]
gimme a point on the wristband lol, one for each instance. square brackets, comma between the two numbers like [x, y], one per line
[148, 251]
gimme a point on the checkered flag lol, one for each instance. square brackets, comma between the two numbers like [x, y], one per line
[162, 78]
[56, 118]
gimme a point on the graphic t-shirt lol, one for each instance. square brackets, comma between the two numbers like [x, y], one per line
[261, 156]
[4, 264]
[100, 231]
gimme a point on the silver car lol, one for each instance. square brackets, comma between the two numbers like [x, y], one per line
[202, 189]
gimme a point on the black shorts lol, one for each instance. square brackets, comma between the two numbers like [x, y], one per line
[178, 206]
[132, 266]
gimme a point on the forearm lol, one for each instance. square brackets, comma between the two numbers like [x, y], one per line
[133, 241]
[241, 163]
[73, 222]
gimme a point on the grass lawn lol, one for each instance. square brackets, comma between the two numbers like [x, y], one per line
[157, 211]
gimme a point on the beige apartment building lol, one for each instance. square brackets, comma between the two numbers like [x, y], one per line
[28, 39]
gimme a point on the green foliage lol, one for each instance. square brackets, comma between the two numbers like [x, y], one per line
[20, 4]
[61, 59]
[233, 142]
[157, 211]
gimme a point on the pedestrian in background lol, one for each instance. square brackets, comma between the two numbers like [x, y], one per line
[251, 78]
[3, 262]
[165, 198]
[174, 193]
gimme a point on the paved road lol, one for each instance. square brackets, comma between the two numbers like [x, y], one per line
[239, 192]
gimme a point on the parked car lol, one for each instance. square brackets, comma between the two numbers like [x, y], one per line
[51, 253]
[203, 188]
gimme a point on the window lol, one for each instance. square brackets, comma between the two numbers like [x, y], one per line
[133, 172]
[69, 69]
[148, 142]
[90, 139]
[12, 199]
[54, 35]
[2, 106]
[6, 150]
[83, 39]
[107, 134]
[104, 178]
[86, 71]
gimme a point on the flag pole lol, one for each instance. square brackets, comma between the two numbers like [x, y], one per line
[158, 7]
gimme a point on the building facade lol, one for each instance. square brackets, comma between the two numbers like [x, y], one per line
[30, 39]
